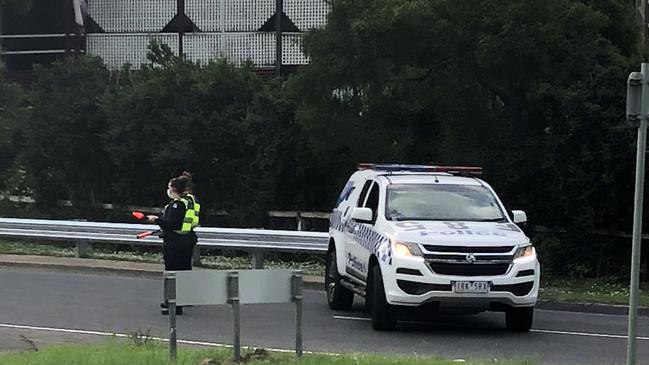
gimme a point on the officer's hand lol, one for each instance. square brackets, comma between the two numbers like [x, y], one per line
[151, 218]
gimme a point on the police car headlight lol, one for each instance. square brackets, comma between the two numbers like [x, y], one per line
[406, 249]
[524, 251]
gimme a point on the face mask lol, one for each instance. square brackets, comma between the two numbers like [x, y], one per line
[170, 194]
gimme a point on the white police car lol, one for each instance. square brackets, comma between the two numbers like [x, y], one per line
[413, 235]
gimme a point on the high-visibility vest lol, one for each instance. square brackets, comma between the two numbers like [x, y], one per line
[192, 211]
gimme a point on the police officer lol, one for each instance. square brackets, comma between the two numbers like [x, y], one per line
[180, 218]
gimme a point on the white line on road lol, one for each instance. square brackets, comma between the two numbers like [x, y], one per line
[122, 335]
[352, 318]
[587, 334]
[552, 332]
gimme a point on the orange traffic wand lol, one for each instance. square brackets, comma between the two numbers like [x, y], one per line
[138, 215]
[147, 234]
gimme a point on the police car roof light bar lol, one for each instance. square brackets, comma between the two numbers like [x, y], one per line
[453, 170]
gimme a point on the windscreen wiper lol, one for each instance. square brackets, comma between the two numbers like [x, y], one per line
[492, 220]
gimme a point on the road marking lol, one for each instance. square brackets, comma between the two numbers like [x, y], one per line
[122, 335]
[352, 318]
[587, 334]
[551, 332]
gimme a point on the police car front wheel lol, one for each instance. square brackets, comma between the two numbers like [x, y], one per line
[519, 319]
[384, 317]
[338, 297]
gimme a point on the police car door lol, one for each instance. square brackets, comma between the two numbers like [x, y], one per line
[357, 244]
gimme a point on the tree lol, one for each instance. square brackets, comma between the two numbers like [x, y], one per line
[63, 153]
[17, 6]
[219, 121]
[532, 91]
[13, 114]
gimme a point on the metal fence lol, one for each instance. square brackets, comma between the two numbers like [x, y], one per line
[84, 234]
[238, 30]
[266, 32]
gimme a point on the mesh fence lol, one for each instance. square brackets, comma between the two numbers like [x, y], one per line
[132, 16]
[228, 28]
[119, 49]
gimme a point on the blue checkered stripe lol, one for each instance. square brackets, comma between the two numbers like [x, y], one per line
[335, 221]
[373, 242]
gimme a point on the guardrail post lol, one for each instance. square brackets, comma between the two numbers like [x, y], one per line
[233, 297]
[297, 297]
[196, 256]
[83, 248]
[257, 259]
[300, 222]
[170, 299]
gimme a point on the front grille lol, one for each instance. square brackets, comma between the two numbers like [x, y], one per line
[469, 260]
[463, 257]
[464, 269]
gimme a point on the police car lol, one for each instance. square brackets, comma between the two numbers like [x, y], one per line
[414, 235]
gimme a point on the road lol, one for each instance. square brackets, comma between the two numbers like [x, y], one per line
[58, 301]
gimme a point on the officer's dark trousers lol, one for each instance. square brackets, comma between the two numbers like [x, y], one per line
[177, 251]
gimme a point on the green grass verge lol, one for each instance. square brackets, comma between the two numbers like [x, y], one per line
[114, 353]
[590, 291]
[219, 262]
[554, 289]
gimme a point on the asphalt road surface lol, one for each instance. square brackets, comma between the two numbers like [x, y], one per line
[44, 304]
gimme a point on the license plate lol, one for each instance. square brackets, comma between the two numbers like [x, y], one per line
[471, 286]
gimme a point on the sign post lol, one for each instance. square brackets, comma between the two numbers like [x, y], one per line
[637, 113]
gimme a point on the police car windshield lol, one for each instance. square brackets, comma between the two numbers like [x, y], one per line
[442, 202]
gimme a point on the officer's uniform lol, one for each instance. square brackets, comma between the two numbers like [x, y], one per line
[180, 218]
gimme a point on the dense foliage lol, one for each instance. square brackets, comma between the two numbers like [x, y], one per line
[534, 92]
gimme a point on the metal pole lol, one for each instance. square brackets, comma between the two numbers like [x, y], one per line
[196, 256]
[233, 295]
[181, 32]
[67, 9]
[297, 296]
[637, 219]
[170, 299]
[222, 43]
[279, 10]
[258, 259]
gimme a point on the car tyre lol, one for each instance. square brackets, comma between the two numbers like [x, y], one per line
[338, 297]
[519, 319]
[384, 317]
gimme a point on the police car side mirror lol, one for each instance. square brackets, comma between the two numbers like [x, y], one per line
[362, 215]
[519, 216]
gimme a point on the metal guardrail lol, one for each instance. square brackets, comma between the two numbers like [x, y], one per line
[255, 241]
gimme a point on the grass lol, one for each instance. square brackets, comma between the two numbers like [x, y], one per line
[114, 353]
[553, 289]
[219, 262]
[590, 291]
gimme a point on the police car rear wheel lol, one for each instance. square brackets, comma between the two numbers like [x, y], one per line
[519, 319]
[338, 297]
[384, 317]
